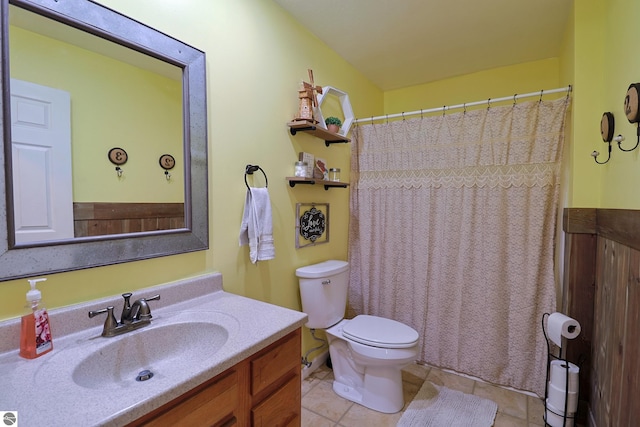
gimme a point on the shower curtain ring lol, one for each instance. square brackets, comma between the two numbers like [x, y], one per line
[488, 103]
[444, 110]
[421, 116]
[541, 93]
[464, 108]
[387, 119]
[514, 98]
[403, 116]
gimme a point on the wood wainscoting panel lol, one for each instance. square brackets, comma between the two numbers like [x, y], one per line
[614, 380]
[620, 225]
[98, 219]
[630, 385]
[613, 267]
[579, 220]
[577, 302]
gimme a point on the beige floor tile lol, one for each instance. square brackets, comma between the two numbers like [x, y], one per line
[315, 378]
[409, 391]
[321, 372]
[310, 419]
[504, 420]
[535, 410]
[509, 402]
[308, 383]
[414, 373]
[359, 416]
[452, 381]
[322, 407]
[322, 400]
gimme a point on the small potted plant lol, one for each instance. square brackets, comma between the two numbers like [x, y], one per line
[333, 124]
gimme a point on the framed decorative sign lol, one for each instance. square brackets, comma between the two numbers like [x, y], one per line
[312, 227]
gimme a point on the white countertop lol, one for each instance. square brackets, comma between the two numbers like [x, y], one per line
[43, 391]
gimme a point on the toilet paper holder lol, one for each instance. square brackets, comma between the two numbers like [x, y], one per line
[565, 416]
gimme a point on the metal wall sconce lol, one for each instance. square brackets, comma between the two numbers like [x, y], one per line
[167, 162]
[118, 157]
[607, 123]
[607, 127]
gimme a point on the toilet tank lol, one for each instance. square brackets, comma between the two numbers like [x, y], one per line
[323, 290]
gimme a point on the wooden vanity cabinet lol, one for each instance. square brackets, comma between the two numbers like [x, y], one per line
[275, 384]
[262, 390]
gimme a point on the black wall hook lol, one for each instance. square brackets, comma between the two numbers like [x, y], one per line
[249, 170]
[621, 138]
[595, 155]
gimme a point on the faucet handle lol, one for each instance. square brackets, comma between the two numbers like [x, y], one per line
[110, 323]
[153, 298]
[108, 310]
[126, 307]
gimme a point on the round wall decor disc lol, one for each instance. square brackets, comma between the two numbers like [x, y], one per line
[631, 103]
[607, 126]
[167, 161]
[118, 156]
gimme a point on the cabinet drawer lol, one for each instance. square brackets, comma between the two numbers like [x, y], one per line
[212, 405]
[281, 409]
[274, 363]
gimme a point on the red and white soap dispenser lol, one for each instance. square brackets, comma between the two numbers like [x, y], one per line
[35, 332]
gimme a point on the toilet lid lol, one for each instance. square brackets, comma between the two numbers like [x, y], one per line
[380, 332]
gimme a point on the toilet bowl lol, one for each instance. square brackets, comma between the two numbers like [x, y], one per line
[367, 352]
[371, 374]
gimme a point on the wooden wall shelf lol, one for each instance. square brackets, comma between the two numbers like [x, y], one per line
[310, 127]
[293, 180]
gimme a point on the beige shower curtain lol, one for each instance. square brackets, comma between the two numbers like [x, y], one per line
[453, 219]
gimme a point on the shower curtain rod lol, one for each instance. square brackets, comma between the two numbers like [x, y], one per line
[467, 104]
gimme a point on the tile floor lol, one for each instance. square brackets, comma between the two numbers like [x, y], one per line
[321, 407]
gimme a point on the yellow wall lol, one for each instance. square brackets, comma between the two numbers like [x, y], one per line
[621, 67]
[589, 65]
[106, 113]
[256, 57]
[567, 71]
[601, 56]
[495, 83]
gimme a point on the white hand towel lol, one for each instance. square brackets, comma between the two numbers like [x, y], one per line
[257, 225]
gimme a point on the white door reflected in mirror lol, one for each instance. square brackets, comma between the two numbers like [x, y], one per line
[41, 156]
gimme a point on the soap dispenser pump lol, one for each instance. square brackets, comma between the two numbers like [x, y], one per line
[35, 332]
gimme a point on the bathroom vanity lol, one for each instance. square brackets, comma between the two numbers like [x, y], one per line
[262, 390]
[217, 359]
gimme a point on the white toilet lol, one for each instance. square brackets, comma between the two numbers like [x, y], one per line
[367, 352]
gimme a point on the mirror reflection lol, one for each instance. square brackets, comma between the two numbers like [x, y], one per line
[75, 97]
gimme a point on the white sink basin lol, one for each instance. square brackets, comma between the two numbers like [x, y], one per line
[166, 350]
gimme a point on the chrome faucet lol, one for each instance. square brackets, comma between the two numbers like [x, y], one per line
[133, 316]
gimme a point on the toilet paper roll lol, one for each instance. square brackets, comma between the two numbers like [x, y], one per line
[558, 396]
[559, 325]
[558, 375]
[555, 417]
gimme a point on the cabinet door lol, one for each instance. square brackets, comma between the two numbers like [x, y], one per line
[210, 406]
[281, 409]
[274, 364]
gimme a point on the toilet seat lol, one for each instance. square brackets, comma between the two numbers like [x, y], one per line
[380, 332]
